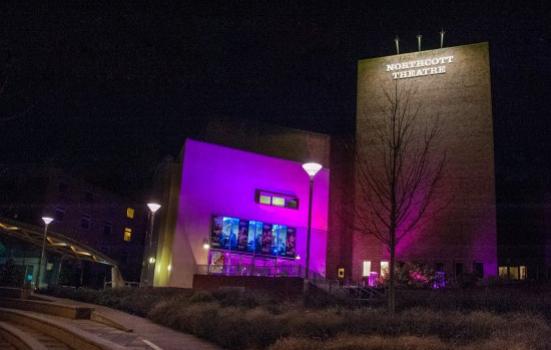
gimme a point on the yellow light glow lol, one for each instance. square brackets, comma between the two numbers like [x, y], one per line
[130, 213]
[278, 201]
[127, 234]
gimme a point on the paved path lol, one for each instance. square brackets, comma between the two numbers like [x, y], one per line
[145, 335]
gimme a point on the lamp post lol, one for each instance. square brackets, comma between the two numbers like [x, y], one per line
[311, 169]
[47, 221]
[150, 260]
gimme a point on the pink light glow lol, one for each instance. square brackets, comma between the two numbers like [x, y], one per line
[217, 180]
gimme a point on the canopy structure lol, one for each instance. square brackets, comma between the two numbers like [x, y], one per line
[58, 243]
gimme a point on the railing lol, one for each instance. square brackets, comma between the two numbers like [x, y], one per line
[126, 284]
[345, 289]
[251, 270]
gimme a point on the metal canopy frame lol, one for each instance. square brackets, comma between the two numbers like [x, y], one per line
[56, 242]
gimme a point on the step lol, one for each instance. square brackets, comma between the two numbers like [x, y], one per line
[46, 307]
[15, 338]
[72, 336]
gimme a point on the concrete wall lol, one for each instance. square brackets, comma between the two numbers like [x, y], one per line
[464, 229]
[217, 180]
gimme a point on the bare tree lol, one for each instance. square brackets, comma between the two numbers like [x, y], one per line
[398, 173]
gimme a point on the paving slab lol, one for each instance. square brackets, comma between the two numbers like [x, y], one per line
[145, 332]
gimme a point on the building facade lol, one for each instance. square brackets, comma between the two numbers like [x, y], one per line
[448, 90]
[248, 175]
[84, 212]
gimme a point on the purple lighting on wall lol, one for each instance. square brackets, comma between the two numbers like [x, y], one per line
[221, 181]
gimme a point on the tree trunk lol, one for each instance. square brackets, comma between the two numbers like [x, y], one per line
[392, 277]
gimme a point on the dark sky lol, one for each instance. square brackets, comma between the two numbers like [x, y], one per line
[108, 90]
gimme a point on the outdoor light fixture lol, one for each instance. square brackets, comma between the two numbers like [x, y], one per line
[311, 168]
[169, 267]
[419, 37]
[297, 257]
[148, 246]
[442, 32]
[153, 207]
[206, 244]
[47, 221]
[397, 43]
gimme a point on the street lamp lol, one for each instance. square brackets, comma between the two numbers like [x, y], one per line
[153, 207]
[311, 169]
[47, 221]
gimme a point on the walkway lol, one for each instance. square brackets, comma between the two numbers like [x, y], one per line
[145, 335]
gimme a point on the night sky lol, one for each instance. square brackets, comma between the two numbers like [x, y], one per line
[108, 91]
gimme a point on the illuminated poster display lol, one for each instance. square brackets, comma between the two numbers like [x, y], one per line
[267, 239]
[253, 237]
[291, 243]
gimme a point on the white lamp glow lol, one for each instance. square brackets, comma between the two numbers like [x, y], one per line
[311, 168]
[47, 220]
[153, 207]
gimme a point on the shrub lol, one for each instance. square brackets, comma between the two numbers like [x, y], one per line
[347, 342]
[320, 324]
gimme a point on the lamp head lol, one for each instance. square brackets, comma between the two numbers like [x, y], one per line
[311, 168]
[153, 207]
[47, 220]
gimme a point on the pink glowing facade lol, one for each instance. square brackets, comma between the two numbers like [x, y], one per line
[222, 181]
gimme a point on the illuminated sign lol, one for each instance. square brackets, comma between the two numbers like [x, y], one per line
[418, 68]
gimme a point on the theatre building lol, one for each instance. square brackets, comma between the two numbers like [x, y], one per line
[450, 89]
[233, 212]
[236, 201]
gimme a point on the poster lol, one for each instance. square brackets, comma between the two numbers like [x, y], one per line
[279, 233]
[229, 233]
[291, 242]
[252, 236]
[243, 235]
[267, 239]
[216, 235]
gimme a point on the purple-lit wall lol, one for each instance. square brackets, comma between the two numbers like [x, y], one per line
[217, 180]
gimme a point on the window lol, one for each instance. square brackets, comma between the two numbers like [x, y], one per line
[513, 272]
[85, 222]
[366, 268]
[107, 229]
[478, 269]
[130, 213]
[59, 214]
[384, 268]
[127, 234]
[522, 271]
[503, 272]
[439, 267]
[263, 199]
[276, 199]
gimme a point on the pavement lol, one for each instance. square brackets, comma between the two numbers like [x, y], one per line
[146, 335]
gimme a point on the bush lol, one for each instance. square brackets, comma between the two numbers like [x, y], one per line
[238, 319]
[362, 343]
